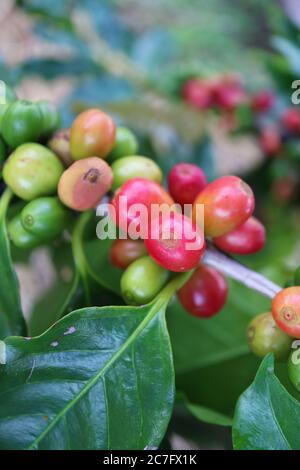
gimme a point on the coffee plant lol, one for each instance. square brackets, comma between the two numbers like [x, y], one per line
[179, 322]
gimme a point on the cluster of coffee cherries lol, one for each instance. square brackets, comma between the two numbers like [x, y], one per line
[276, 126]
[58, 173]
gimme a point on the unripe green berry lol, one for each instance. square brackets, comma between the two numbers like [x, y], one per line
[294, 368]
[125, 144]
[2, 155]
[45, 217]
[20, 237]
[32, 171]
[51, 119]
[135, 166]
[265, 337]
[21, 123]
[142, 281]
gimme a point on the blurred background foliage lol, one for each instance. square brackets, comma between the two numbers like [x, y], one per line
[130, 57]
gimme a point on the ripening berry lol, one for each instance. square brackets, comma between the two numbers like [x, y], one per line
[135, 166]
[149, 195]
[291, 120]
[186, 181]
[229, 94]
[84, 183]
[124, 251]
[205, 293]
[286, 310]
[262, 101]
[175, 242]
[60, 145]
[265, 337]
[227, 203]
[197, 93]
[246, 239]
[270, 140]
[92, 135]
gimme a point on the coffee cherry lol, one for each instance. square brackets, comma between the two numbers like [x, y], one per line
[229, 94]
[291, 120]
[60, 145]
[186, 181]
[294, 368]
[227, 203]
[143, 192]
[92, 135]
[20, 237]
[286, 311]
[51, 119]
[262, 101]
[125, 145]
[128, 168]
[270, 141]
[246, 239]
[175, 242]
[84, 183]
[265, 337]
[197, 93]
[205, 293]
[124, 252]
[45, 217]
[32, 171]
[21, 123]
[142, 281]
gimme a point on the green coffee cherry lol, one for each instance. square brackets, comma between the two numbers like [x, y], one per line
[265, 337]
[45, 217]
[51, 119]
[135, 166]
[22, 122]
[294, 368]
[3, 108]
[20, 236]
[142, 281]
[125, 144]
[32, 171]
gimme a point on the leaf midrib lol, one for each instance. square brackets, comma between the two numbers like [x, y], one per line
[154, 310]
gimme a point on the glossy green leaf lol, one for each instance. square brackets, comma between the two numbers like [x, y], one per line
[100, 378]
[203, 413]
[267, 417]
[11, 317]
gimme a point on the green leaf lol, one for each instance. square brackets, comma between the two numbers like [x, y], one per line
[11, 317]
[100, 378]
[56, 300]
[267, 417]
[204, 414]
[199, 343]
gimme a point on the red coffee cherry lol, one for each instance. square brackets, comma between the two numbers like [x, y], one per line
[138, 191]
[175, 242]
[286, 311]
[92, 135]
[197, 93]
[246, 239]
[291, 120]
[262, 101]
[205, 293]
[186, 181]
[228, 202]
[270, 140]
[229, 94]
[124, 252]
[84, 183]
